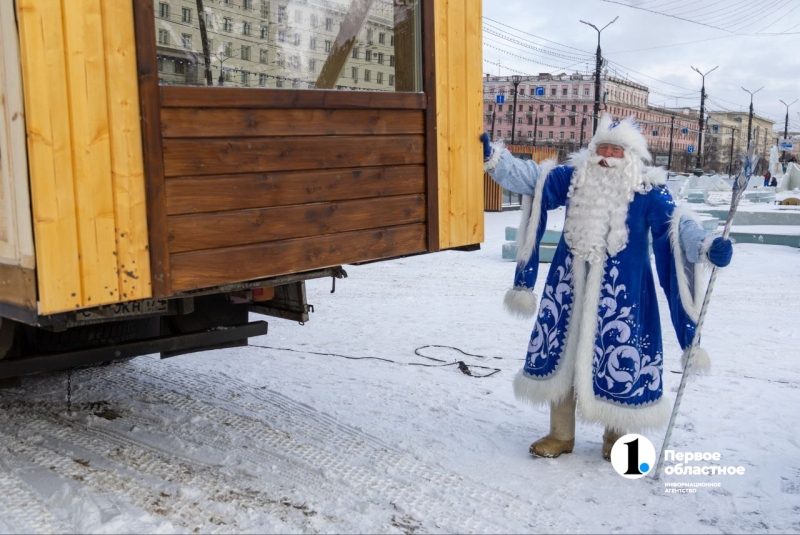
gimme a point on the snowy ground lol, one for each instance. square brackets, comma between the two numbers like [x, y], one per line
[267, 440]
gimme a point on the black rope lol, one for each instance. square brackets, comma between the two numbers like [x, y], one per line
[465, 368]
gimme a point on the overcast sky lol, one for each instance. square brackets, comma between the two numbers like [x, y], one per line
[750, 61]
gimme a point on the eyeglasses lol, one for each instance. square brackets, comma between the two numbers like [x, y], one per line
[611, 151]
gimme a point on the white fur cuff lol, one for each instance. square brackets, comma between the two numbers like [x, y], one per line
[701, 362]
[494, 159]
[521, 302]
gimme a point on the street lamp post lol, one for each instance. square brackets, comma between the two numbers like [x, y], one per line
[786, 127]
[750, 119]
[598, 66]
[516, 79]
[699, 167]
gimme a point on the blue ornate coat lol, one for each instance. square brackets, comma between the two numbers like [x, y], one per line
[598, 330]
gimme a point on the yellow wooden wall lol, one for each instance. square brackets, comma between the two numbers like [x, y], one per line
[85, 152]
[459, 103]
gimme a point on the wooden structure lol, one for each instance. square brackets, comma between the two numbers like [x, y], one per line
[145, 191]
[493, 192]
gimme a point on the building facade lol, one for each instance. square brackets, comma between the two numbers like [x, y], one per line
[729, 129]
[277, 43]
[558, 110]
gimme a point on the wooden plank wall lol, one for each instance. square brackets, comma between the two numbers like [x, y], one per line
[84, 146]
[459, 95]
[264, 188]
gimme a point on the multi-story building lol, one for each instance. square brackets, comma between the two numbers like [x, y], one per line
[558, 110]
[278, 43]
[728, 127]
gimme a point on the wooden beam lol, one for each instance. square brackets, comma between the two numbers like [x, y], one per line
[127, 160]
[192, 195]
[150, 106]
[50, 154]
[429, 64]
[243, 227]
[228, 156]
[244, 122]
[343, 44]
[206, 269]
[18, 286]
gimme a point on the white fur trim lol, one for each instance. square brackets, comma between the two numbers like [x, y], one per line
[521, 302]
[654, 176]
[691, 303]
[701, 362]
[590, 407]
[626, 134]
[556, 386]
[497, 152]
[531, 213]
[707, 243]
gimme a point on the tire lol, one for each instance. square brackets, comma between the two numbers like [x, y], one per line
[43, 341]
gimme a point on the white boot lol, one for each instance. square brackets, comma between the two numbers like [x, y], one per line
[561, 438]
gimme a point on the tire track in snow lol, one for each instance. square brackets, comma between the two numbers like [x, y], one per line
[22, 511]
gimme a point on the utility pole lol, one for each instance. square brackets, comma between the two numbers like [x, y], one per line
[699, 167]
[730, 158]
[494, 116]
[786, 127]
[750, 120]
[671, 132]
[598, 66]
[516, 79]
[535, 126]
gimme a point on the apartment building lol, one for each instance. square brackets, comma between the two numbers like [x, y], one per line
[558, 109]
[277, 43]
[726, 128]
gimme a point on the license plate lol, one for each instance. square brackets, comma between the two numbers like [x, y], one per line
[122, 310]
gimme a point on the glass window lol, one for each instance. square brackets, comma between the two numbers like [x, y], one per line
[306, 54]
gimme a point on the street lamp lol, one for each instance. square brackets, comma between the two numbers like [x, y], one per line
[750, 120]
[598, 66]
[516, 79]
[699, 167]
[786, 128]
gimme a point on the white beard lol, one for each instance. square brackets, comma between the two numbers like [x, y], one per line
[599, 197]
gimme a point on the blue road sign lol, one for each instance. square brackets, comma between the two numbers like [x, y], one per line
[690, 150]
[540, 91]
[787, 146]
[501, 99]
[655, 133]
[685, 131]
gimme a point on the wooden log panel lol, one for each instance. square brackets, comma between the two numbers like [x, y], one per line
[214, 156]
[18, 286]
[216, 97]
[493, 193]
[189, 195]
[50, 154]
[459, 108]
[127, 161]
[210, 268]
[222, 123]
[243, 227]
[88, 104]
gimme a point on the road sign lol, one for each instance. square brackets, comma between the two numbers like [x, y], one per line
[655, 133]
[662, 159]
[787, 146]
[690, 150]
[501, 99]
[685, 131]
[540, 91]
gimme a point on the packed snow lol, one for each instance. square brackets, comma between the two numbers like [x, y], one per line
[311, 429]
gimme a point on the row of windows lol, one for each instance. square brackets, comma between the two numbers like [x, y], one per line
[293, 62]
[540, 135]
[227, 23]
[573, 108]
[533, 92]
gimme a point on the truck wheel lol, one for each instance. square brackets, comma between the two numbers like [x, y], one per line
[44, 341]
[8, 335]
